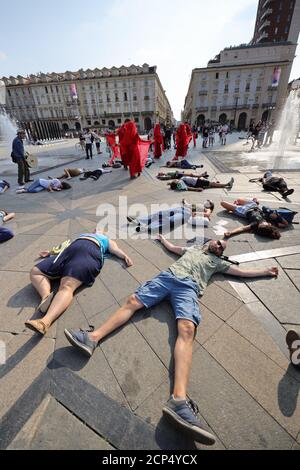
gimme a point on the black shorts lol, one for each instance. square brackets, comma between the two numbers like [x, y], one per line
[202, 183]
[82, 260]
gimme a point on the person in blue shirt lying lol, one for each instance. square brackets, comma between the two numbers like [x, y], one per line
[78, 264]
[5, 233]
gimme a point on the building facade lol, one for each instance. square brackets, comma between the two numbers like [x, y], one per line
[242, 84]
[49, 104]
[249, 82]
[277, 21]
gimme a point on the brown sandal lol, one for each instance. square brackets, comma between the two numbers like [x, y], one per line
[38, 326]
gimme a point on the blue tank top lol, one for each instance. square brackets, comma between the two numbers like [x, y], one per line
[103, 240]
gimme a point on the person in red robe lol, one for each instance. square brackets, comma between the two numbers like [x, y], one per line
[189, 135]
[121, 133]
[181, 142]
[158, 142]
[136, 149]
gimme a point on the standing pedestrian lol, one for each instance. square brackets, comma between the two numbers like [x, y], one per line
[18, 157]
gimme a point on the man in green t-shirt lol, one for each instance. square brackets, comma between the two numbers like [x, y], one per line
[182, 284]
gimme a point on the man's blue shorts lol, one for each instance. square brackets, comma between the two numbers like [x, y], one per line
[241, 211]
[182, 293]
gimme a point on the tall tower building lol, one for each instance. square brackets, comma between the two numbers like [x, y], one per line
[277, 21]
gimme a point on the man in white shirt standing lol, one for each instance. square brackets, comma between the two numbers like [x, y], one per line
[89, 136]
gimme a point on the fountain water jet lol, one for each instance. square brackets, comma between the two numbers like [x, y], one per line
[289, 125]
[8, 131]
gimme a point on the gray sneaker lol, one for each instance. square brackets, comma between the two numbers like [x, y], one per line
[230, 184]
[183, 414]
[80, 339]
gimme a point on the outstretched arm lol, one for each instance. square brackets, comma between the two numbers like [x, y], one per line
[236, 271]
[8, 217]
[115, 250]
[178, 250]
[237, 231]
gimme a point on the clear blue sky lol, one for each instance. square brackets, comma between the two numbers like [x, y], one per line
[175, 35]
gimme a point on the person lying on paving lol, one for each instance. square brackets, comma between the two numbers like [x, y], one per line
[77, 265]
[183, 164]
[174, 217]
[181, 284]
[42, 184]
[174, 175]
[70, 173]
[257, 223]
[198, 184]
[5, 233]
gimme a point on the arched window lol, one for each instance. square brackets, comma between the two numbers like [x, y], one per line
[223, 118]
[242, 121]
[200, 120]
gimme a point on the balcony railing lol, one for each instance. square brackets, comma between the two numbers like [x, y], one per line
[202, 109]
[262, 36]
[264, 25]
[203, 92]
[227, 107]
[266, 3]
[266, 13]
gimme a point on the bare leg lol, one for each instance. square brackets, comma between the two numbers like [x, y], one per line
[62, 300]
[229, 207]
[183, 357]
[217, 185]
[119, 318]
[40, 282]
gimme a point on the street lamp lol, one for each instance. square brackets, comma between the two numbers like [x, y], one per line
[270, 109]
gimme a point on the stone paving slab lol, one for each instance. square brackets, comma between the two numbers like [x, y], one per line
[276, 391]
[27, 357]
[238, 288]
[295, 277]
[117, 279]
[31, 203]
[96, 370]
[226, 406]
[220, 302]
[289, 262]
[92, 305]
[18, 301]
[135, 365]
[268, 253]
[250, 328]
[40, 433]
[210, 323]
[142, 270]
[22, 253]
[285, 312]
